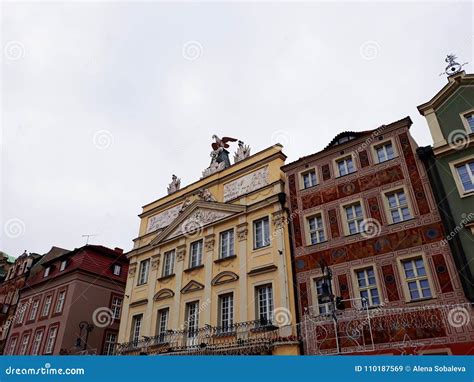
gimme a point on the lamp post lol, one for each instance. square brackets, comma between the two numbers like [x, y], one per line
[84, 325]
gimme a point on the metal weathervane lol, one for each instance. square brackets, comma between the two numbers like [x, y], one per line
[453, 66]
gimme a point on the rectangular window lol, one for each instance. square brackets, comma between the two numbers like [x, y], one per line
[354, 218]
[50, 341]
[192, 318]
[367, 286]
[116, 307]
[143, 273]
[62, 267]
[466, 175]
[398, 206]
[261, 233]
[117, 270]
[316, 229]
[136, 327]
[416, 279]
[309, 179]
[322, 293]
[470, 122]
[24, 344]
[163, 316]
[226, 312]
[168, 263]
[227, 244]
[345, 166]
[385, 152]
[37, 342]
[60, 302]
[110, 342]
[195, 258]
[46, 272]
[12, 347]
[265, 304]
[46, 306]
[34, 310]
[21, 313]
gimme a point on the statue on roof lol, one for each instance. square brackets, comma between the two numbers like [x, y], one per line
[242, 152]
[453, 66]
[175, 184]
[219, 155]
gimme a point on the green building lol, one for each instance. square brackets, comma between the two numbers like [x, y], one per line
[450, 165]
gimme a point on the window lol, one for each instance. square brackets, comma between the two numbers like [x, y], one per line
[143, 273]
[309, 179]
[322, 293]
[46, 272]
[37, 342]
[163, 315]
[60, 302]
[354, 218]
[117, 269]
[384, 152]
[24, 344]
[110, 342]
[316, 229]
[367, 286]
[226, 312]
[117, 307]
[265, 304]
[21, 313]
[261, 233]
[168, 263]
[345, 166]
[416, 279]
[227, 244]
[470, 122]
[34, 310]
[51, 340]
[195, 258]
[398, 206]
[63, 265]
[11, 348]
[466, 175]
[46, 306]
[136, 326]
[192, 318]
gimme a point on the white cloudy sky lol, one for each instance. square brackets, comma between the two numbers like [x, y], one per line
[297, 73]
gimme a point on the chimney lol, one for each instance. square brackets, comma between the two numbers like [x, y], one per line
[118, 250]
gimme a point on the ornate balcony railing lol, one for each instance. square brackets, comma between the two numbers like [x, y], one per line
[252, 337]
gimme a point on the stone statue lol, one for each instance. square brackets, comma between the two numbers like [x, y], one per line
[205, 195]
[219, 155]
[175, 184]
[242, 152]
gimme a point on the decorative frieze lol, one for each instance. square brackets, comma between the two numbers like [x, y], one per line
[163, 219]
[197, 220]
[246, 184]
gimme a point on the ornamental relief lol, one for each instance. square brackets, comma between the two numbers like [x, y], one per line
[197, 220]
[246, 184]
[163, 219]
[131, 270]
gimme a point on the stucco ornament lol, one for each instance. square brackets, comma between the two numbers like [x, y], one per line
[163, 219]
[197, 220]
[219, 155]
[205, 195]
[242, 152]
[246, 184]
[175, 184]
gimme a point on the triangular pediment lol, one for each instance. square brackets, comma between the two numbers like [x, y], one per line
[163, 294]
[224, 278]
[195, 217]
[192, 286]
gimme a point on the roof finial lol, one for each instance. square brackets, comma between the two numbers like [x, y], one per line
[453, 66]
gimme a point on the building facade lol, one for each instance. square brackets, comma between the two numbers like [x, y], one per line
[210, 272]
[372, 273]
[71, 304]
[450, 166]
[15, 279]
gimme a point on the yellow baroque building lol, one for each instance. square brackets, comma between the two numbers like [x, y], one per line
[210, 272]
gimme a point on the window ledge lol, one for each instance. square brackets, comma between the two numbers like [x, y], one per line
[420, 300]
[222, 259]
[194, 268]
[403, 221]
[163, 278]
[261, 248]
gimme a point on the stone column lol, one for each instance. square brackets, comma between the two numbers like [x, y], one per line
[152, 276]
[242, 234]
[209, 245]
[279, 224]
[178, 270]
[124, 332]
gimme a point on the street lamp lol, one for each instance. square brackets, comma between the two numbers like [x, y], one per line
[84, 325]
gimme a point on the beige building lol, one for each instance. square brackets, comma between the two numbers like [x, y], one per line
[210, 271]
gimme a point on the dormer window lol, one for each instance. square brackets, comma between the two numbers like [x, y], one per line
[117, 269]
[63, 265]
[46, 271]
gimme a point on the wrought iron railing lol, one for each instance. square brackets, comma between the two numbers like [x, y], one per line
[252, 337]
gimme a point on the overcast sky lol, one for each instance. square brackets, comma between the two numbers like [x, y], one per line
[102, 102]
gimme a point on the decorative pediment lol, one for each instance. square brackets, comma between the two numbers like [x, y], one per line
[192, 286]
[195, 217]
[224, 278]
[163, 294]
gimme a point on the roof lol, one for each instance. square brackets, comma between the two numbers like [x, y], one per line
[339, 143]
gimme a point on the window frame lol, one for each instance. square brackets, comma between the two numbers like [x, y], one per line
[404, 282]
[345, 221]
[52, 327]
[61, 267]
[270, 305]
[464, 118]
[457, 179]
[230, 247]
[162, 329]
[315, 295]
[384, 142]
[115, 307]
[38, 350]
[134, 335]
[266, 242]
[192, 333]
[106, 346]
[305, 172]
[388, 209]
[169, 259]
[143, 272]
[341, 158]
[117, 266]
[357, 289]
[308, 227]
[24, 347]
[50, 296]
[199, 256]
[228, 327]
[47, 271]
[55, 310]
[14, 342]
[32, 309]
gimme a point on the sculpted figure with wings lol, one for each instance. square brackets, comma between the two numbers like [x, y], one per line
[221, 142]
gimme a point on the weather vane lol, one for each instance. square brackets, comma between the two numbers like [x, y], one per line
[453, 66]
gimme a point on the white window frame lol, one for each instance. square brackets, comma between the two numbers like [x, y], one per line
[168, 263]
[195, 253]
[60, 302]
[51, 340]
[25, 341]
[323, 308]
[63, 265]
[162, 324]
[311, 183]
[358, 219]
[117, 269]
[265, 232]
[457, 179]
[21, 312]
[137, 320]
[226, 244]
[108, 344]
[192, 318]
[317, 230]
[12, 346]
[34, 310]
[344, 159]
[48, 300]
[116, 307]
[47, 270]
[143, 271]
[405, 281]
[464, 118]
[37, 339]
[359, 289]
[264, 303]
[398, 207]
[383, 144]
[226, 312]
